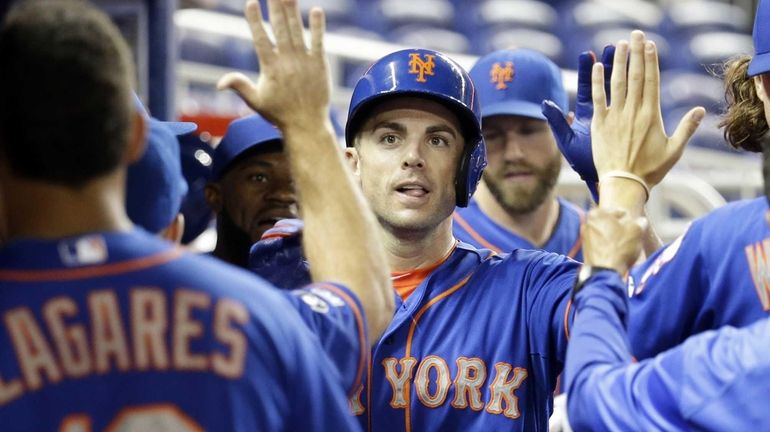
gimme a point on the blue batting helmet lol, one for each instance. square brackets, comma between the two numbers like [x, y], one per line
[429, 74]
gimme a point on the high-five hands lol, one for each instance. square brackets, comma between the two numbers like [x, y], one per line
[290, 71]
[629, 141]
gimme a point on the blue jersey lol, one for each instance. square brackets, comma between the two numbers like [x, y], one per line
[717, 381]
[473, 226]
[477, 346]
[717, 273]
[117, 331]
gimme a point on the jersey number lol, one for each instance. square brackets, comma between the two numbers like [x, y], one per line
[156, 417]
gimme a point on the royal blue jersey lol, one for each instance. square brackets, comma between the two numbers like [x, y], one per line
[473, 226]
[715, 381]
[118, 331]
[717, 273]
[477, 346]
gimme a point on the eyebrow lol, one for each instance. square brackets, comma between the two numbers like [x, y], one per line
[246, 164]
[398, 127]
[441, 128]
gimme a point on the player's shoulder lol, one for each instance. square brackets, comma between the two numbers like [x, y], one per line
[735, 212]
[570, 210]
[520, 264]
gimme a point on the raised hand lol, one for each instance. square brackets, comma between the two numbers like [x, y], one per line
[574, 140]
[629, 141]
[290, 71]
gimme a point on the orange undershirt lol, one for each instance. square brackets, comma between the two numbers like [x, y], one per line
[406, 282]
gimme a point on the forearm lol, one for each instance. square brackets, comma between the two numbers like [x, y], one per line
[606, 391]
[321, 178]
[650, 240]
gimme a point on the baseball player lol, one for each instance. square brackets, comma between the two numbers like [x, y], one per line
[515, 205]
[107, 327]
[251, 186]
[710, 276]
[155, 187]
[718, 379]
[477, 339]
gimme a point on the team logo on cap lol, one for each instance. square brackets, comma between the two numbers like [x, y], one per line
[421, 67]
[501, 75]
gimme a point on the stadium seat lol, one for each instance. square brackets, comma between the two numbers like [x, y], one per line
[538, 40]
[439, 39]
[685, 89]
[484, 15]
[384, 15]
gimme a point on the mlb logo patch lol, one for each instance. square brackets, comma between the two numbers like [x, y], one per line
[86, 250]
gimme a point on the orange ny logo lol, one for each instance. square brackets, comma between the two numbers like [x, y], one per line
[421, 67]
[501, 75]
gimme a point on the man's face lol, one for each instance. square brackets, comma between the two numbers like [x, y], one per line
[406, 157]
[258, 191]
[523, 161]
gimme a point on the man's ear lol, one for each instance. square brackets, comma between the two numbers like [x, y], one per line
[352, 158]
[175, 230]
[137, 139]
[213, 193]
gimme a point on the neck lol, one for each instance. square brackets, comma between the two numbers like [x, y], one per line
[233, 245]
[409, 250]
[535, 226]
[42, 210]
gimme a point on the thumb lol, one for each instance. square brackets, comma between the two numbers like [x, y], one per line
[240, 84]
[558, 123]
[686, 128]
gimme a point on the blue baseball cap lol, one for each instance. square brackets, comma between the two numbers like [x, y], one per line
[197, 157]
[241, 136]
[760, 63]
[155, 186]
[177, 128]
[516, 82]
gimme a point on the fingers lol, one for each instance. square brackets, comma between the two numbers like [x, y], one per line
[618, 78]
[636, 70]
[262, 44]
[608, 56]
[240, 84]
[559, 125]
[583, 106]
[597, 91]
[279, 24]
[651, 75]
[294, 24]
[686, 128]
[317, 30]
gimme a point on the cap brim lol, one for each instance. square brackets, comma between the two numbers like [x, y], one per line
[181, 128]
[518, 108]
[760, 64]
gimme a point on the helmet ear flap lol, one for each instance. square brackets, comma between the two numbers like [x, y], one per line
[469, 172]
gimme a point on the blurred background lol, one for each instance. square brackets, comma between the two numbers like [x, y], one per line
[183, 47]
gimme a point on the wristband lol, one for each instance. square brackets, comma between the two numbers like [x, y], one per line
[585, 274]
[629, 176]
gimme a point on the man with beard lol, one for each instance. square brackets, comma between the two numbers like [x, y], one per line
[515, 205]
[251, 187]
